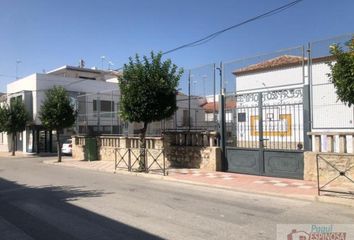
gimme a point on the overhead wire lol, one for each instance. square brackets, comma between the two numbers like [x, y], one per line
[216, 34]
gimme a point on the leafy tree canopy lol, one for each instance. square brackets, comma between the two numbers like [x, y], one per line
[148, 88]
[13, 119]
[14, 116]
[56, 111]
[342, 71]
[2, 118]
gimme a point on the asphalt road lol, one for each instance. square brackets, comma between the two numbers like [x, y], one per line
[40, 201]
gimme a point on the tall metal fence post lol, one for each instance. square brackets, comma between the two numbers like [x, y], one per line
[115, 159]
[189, 100]
[260, 132]
[112, 111]
[214, 96]
[307, 97]
[98, 107]
[146, 163]
[318, 176]
[222, 119]
[164, 162]
[78, 115]
[129, 160]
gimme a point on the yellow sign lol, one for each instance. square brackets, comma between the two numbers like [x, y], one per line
[271, 128]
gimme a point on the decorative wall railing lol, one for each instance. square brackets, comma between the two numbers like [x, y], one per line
[192, 138]
[332, 142]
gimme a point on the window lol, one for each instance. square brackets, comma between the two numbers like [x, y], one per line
[105, 106]
[88, 78]
[241, 117]
[228, 117]
[209, 117]
[18, 98]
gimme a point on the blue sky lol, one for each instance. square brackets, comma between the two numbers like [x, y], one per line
[48, 34]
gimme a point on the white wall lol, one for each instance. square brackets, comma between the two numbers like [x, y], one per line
[45, 82]
[329, 114]
[39, 83]
[26, 83]
[4, 147]
[269, 79]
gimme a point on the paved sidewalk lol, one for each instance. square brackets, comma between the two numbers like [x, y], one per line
[249, 183]
[241, 182]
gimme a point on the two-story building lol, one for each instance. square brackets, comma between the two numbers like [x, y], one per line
[86, 88]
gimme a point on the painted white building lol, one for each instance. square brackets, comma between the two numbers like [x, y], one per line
[282, 80]
[78, 81]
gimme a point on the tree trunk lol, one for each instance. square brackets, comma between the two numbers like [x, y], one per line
[13, 144]
[143, 163]
[58, 145]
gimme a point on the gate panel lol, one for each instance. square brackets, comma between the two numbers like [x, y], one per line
[284, 164]
[243, 161]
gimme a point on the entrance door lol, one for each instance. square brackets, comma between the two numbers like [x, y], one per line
[266, 134]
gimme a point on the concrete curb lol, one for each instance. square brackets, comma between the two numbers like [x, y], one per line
[322, 199]
[341, 201]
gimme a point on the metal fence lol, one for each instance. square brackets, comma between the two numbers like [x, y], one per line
[199, 92]
[335, 174]
[264, 100]
[98, 113]
[324, 100]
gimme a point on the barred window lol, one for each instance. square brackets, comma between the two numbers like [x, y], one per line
[105, 106]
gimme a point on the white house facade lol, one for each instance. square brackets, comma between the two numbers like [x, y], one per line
[282, 80]
[78, 81]
[279, 101]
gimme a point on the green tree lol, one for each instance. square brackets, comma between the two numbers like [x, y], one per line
[13, 119]
[2, 118]
[57, 113]
[148, 92]
[342, 71]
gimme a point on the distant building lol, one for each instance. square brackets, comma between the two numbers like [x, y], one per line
[82, 85]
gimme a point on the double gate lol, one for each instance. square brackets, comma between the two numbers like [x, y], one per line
[265, 133]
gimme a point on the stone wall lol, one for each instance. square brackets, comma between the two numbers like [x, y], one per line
[342, 162]
[78, 147]
[331, 151]
[193, 149]
[207, 158]
[178, 149]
